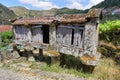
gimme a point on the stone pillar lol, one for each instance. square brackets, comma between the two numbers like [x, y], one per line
[15, 52]
[90, 45]
[40, 56]
[30, 56]
[29, 34]
[90, 56]
[52, 34]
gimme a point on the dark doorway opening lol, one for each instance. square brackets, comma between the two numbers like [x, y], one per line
[72, 40]
[45, 29]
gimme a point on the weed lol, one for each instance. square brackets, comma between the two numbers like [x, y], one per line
[106, 70]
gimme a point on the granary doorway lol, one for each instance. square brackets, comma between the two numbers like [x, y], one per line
[45, 30]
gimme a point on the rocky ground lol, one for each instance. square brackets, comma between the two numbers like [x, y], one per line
[11, 75]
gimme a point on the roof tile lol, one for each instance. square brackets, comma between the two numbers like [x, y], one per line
[4, 28]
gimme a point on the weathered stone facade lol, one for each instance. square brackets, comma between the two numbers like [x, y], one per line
[75, 35]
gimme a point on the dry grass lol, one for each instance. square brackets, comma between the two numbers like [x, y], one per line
[107, 45]
[106, 70]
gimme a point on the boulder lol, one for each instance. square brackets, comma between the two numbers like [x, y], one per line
[14, 54]
[31, 58]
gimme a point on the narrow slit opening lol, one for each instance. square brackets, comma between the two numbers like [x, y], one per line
[72, 40]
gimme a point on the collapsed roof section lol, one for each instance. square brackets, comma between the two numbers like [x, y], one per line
[64, 19]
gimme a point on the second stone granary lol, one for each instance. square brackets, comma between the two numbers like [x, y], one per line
[73, 34]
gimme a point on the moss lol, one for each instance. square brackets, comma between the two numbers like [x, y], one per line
[51, 53]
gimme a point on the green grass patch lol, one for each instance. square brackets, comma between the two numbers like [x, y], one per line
[58, 69]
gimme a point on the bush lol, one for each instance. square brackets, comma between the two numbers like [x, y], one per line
[109, 26]
[110, 31]
[6, 38]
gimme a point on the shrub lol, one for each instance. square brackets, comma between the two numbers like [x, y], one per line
[110, 31]
[6, 38]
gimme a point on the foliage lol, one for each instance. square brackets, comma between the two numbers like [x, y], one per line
[108, 3]
[110, 31]
[109, 26]
[6, 38]
[58, 69]
[109, 44]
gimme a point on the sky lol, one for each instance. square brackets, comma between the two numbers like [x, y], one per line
[48, 4]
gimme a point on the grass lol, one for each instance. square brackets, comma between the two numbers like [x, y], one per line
[58, 69]
[105, 70]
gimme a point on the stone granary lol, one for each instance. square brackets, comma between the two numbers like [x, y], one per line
[73, 34]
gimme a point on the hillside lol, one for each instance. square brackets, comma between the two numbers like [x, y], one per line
[5, 14]
[18, 10]
[111, 9]
[108, 4]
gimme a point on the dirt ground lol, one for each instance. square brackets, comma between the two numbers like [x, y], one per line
[11, 75]
[10, 70]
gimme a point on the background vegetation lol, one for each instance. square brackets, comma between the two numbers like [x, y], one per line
[110, 31]
[6, 14]
[108, 3]
[6, 38]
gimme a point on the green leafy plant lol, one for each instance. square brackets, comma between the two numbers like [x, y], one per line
[6, 38]
[110, 31]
